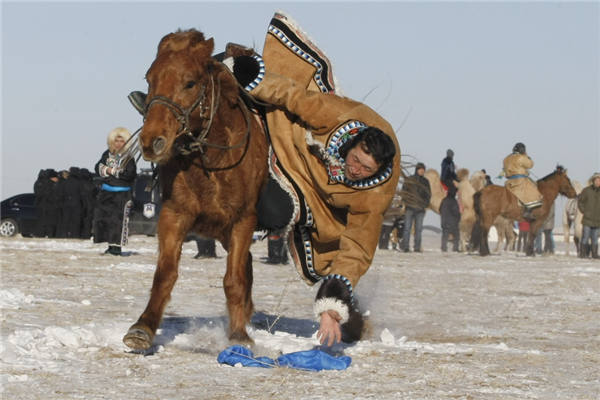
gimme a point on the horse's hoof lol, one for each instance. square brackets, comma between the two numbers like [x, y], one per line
[241, 338]
[137, 339]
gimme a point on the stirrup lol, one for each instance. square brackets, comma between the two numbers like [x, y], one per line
[138, 101]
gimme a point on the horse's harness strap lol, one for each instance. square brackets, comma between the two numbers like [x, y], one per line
[182, 115]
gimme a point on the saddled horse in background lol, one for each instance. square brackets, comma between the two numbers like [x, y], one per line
[494, 200]
[212, 156]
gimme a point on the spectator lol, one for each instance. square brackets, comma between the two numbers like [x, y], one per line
[416, 194]
[589, 205]
[390, 220]
[50, 204]
[71, 205]
[114, 198]
[88, 199]
[207, 248]
[523, 235]
[488, 179]
[276, 250]
[546, 231]
[40, 189]
[450, 216]
[448, 173]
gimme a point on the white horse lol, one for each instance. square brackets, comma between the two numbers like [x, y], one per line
[572, 219]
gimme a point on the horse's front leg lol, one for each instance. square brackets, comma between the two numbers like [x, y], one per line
[171, 233]
[237, 282]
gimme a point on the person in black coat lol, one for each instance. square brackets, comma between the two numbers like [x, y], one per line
[448, 173]
[115, 193]
[50, 203]
[40, 189]
[416, 194]
[71, 207]
[88, 200]
[450, 216]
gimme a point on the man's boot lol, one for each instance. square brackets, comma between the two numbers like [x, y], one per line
[585, 249]
[138, 101]
[274, 250]
[595, 251]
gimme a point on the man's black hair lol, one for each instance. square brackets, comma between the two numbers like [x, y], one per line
[378, 144]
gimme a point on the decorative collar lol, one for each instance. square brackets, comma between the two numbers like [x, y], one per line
[335, 163]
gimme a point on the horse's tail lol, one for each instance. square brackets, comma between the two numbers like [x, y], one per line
[477, 203]
[475, 242]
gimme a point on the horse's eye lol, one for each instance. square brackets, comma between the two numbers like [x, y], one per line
[190, 84]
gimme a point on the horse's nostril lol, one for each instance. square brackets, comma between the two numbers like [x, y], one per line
[158, 145]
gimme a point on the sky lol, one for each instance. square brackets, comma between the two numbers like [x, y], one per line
[476, 77]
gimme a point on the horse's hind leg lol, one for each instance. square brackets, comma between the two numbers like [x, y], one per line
[141, 334]
[237, 282]
[484, 248]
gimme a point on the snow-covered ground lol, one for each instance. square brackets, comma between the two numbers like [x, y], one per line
[442, 326]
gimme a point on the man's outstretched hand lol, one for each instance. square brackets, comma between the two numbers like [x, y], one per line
[329, 329]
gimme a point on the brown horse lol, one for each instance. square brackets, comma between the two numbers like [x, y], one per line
[212, 156]
[494, 200]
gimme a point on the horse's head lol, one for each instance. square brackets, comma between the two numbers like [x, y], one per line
[565, 187]
[184, 85]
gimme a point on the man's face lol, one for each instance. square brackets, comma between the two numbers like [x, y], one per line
[359, 164]
[421, 172]
[597, 182]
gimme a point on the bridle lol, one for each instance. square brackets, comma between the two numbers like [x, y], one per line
[182, 115]
[196, 143]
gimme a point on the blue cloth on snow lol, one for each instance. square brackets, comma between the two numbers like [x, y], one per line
[309, 360]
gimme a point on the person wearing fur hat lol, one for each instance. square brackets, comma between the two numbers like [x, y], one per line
[115, 193]
[416, 194]
[516, 170]
[589, 205]
[334, 167]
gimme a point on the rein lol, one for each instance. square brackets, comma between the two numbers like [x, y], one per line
[182, 115]
[133, 150]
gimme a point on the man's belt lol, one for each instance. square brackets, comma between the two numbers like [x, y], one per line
[517, 176]
[109, 188]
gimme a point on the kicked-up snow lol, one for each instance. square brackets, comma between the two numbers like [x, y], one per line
[440, 326]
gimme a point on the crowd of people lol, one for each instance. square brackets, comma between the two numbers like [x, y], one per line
[415, 195]
[65, 202]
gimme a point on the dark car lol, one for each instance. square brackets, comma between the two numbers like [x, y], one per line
[17, 215]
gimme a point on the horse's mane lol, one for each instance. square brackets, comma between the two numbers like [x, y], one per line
[559, 169]
[180, 40]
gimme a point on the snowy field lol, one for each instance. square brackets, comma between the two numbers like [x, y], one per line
[442, 326]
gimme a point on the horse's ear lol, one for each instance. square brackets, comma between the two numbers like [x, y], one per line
[203, 50]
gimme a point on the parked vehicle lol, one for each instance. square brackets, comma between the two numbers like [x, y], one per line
[144, 192]
[17, 215]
